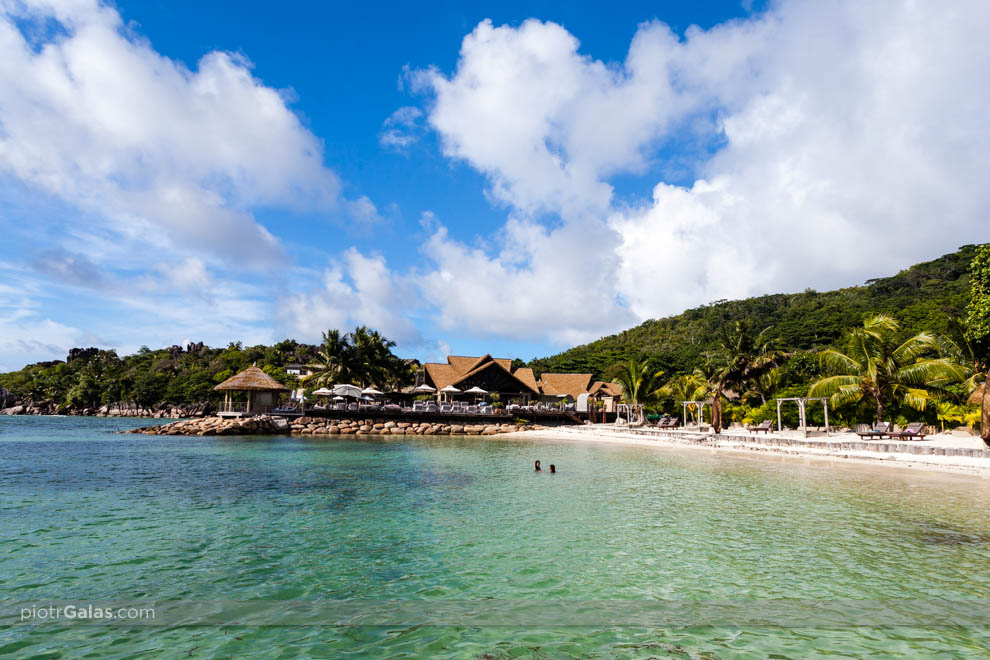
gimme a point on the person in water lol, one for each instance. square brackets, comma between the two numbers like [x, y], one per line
[537, 468]
[553, 469]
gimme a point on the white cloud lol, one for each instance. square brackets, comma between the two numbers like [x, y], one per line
[356, 290]
[854, 141]
[90, 113]
[400, 130]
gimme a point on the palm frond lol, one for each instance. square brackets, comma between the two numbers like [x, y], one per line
[834, 362]
[931, 372]
[830, 385]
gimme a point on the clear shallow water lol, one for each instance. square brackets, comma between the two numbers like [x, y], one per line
[89, 514]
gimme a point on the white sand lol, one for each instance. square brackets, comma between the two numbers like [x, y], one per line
[736, 440]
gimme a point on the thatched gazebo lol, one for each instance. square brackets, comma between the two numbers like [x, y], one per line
[262, 392]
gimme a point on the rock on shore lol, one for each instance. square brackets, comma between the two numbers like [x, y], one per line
[161, 411]
[266, 425]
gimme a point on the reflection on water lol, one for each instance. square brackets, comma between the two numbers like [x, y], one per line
[85, 513]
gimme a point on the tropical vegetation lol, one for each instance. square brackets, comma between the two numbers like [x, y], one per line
[186, 375]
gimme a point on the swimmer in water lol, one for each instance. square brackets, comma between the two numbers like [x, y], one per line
[553, 469]
[537, 468]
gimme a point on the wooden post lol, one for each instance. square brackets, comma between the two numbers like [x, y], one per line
[780, 425]
[825, 401]
[804, 418]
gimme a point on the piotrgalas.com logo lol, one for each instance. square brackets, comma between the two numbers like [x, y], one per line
[87, 612]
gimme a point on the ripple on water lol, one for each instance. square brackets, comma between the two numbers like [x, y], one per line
[86, 514]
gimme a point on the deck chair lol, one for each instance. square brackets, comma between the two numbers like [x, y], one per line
[913, 431]
[763, 427]
[879, 431]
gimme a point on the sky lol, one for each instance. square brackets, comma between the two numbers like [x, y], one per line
[508, 178]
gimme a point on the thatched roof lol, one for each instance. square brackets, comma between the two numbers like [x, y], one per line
[526, 375]
[977, 396]
[251, 378]
[461, 367]
[569, 384]
[441, 375]
[605, 389]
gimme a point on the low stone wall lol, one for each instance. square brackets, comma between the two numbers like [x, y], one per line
[379, 426]
[892, 446]
[267, 425]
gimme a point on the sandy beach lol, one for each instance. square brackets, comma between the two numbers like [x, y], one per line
[944, 452]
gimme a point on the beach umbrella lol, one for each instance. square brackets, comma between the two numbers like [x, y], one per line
[450, 390]
[339, 398]
[477, 391]
[347, 390]
[424, 388]
[322, 392]
[370, 391]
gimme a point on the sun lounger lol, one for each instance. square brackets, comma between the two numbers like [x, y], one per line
[763, 427]
[879, 432]
[392, 407]
[669, 423]
[913, 431]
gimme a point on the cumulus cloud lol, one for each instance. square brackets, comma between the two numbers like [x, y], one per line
[843, 131]
[356, 290]
[92, 114]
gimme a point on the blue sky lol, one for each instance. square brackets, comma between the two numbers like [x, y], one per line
[512, 178]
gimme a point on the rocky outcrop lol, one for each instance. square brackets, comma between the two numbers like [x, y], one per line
[20, 407]
[265, 425]
[159, 412]
[11, 405]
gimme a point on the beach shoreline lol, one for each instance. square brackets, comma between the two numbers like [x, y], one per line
[740, 444]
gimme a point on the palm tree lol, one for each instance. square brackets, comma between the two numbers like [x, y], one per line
[637, 379]
[740, 359]
[879, 367]
[333, 361]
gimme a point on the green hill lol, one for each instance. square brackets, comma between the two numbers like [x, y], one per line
[922, 297]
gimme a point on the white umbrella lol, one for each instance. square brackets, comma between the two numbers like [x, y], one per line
[424, 388]
[370, 391]
[339, 398]
[322, 392]
[347, 390]
[450, 389]
[476, 390]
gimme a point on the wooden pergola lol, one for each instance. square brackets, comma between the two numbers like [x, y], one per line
[802, 403]
[701, 409]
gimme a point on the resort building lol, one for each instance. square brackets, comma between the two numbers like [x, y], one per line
[496, 375]
[493, 375]
[300, 371]
[574, 385]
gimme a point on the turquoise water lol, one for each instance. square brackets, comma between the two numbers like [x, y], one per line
[89, 514]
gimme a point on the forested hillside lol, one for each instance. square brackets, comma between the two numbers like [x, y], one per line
[923, 298]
